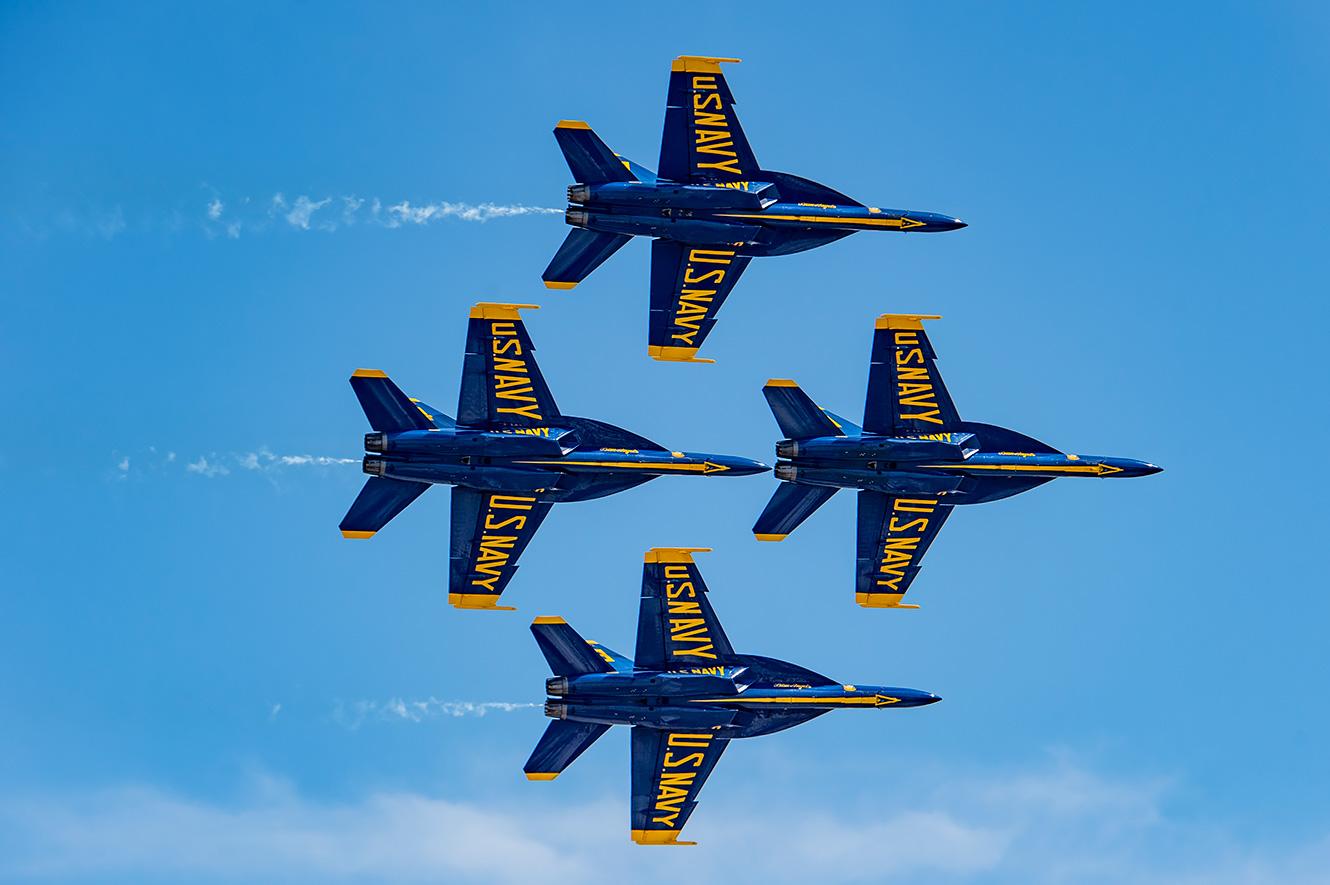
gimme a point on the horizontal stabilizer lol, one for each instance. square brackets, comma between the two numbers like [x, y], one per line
[789, 506]
[387, 408]
[378, 502]
[589, 159]
[567, 652]
[798, 416]
[559, 746]
[582, 252]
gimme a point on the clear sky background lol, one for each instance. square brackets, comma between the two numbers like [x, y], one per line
[202, 681]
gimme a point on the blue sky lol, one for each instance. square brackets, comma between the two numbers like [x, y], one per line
[203, 681]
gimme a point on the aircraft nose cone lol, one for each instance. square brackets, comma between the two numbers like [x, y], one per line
[747, 467]
[930, 699]
[1132, 467]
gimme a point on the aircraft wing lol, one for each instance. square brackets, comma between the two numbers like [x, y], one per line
[676, 626]
[489, 532]
[669, 768]
[703, 141]
[894, 533]
[688, 286]
[906, 396]
[501, 384]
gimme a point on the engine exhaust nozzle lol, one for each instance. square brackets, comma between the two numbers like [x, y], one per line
[787, 472]
[373, 466]
[556, 710]
[556, 686]
[576, 217]
[376, 442]
[787, 448]
[579, 193]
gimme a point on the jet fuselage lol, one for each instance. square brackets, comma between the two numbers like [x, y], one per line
[529, 458]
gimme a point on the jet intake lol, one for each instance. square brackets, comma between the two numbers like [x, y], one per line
[373, 466]
[579, 193]
[376, 442]
[576, 217]
[556, 710]
[556, 686]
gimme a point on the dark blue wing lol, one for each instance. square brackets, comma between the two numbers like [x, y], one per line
[676, 626]
[688, 286]
[669, 769]
[905, 392]
[489, 532]
[894, 533]
[501, 383]
[703, 141]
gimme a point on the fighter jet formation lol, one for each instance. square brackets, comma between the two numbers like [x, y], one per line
[510, 454]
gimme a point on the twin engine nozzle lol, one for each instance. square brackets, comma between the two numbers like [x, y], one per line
[376, 442]
[556, 686]
[579, 193]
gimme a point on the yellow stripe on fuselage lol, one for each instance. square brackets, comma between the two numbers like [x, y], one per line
[1093, 469]
[843, 701]
[690, 467]
[904, 223]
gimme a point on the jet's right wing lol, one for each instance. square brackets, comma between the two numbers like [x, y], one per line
[676, 626]
[894, 532]
[702, 141]
[906, 396]
[688, 286]
[489, 532]
[669, 768]
[502, 386]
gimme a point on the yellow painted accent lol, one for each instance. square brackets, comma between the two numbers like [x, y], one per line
[555, 284]
[884, 700]
[369, 373]
[690, 467]
[483, 601]
[780, 382]
[675, 354]
[541, 775]
[881, 600]
[572, 124]
[549, 619]
[837, 701]
[902, 223]
[673, 554]
[489, 310]
[1095, 469]
[700, 64]
[658, 837]
[761, 537]
[359, 535]
[903, 320]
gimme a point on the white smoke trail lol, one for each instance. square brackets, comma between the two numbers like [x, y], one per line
[305, 213]
[214, 465]
[353, 714]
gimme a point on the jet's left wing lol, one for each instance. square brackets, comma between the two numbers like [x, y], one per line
[906, 396]
[669, 768]
[501, 384]
[489, 532]
[688, 286]
[676, 626]
[703, 142]
[894, 532]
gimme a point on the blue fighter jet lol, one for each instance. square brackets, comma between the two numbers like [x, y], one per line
[711, 209]
[686, 695]
[912, 461]
[510, 456]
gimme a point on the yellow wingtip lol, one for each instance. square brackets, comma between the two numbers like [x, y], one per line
[781, 382]
[549, 619]
[701, 64]
[882, 600]
[541, 775]
[903, 320]
[369, 373]
[572, 124]
[673, 554]
[493, 310]
[675, 354]
[770, 537]
[357, 535]
[658, 837]
[478, 602]
[556, 284]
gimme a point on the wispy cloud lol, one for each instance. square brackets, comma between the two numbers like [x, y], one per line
[353, 714]
[1057, 824]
